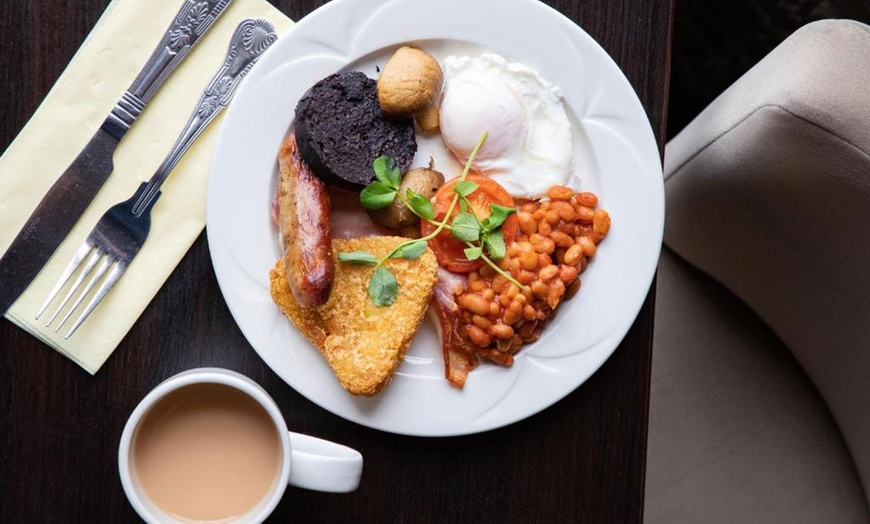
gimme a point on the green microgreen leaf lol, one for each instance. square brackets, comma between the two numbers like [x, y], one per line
[465, 227]
[464, 188]
[383, 287]
[411, 250]
[497, 216]
[377, 195]
[495, 244]
[473, 253]
[359, 258]
[387, 171]
[420, 205]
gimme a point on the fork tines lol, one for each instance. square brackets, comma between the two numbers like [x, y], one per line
[86, 258]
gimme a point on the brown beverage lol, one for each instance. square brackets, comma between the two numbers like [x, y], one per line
[207, 452]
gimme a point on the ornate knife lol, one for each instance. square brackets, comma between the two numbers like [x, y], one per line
[71, 194]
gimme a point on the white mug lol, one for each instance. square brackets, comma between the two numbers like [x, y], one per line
[306, 462]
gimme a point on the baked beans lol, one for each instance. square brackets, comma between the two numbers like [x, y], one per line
[555, 241]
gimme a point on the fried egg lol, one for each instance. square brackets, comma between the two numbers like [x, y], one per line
[529, 146]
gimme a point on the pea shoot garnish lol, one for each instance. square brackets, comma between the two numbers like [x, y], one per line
[484, 238]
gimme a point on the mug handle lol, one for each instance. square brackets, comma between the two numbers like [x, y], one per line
[322, 465]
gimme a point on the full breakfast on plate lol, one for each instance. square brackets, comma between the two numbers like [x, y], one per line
[370, 245]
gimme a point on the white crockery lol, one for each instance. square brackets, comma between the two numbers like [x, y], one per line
[306, 462]
[615, 154]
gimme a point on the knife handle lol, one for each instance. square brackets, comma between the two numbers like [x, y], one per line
[249, 41]
[192, 21]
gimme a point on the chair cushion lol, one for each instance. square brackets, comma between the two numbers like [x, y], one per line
[768, 192]
[737, 432]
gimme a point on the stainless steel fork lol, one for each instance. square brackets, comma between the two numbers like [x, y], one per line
[122, 230]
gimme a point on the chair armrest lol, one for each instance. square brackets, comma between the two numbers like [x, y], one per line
[768, 191]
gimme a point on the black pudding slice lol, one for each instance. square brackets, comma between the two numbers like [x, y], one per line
[341, 130]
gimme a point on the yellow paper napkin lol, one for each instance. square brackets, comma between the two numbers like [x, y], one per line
[102, 69]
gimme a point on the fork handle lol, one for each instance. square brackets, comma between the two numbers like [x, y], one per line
[250, 40]
[190, 23]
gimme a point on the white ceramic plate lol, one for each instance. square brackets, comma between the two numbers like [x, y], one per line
[616, 157]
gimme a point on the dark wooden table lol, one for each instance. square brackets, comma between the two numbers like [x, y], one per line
[582, 460]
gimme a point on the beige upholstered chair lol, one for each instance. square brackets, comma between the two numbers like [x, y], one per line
[760, 403]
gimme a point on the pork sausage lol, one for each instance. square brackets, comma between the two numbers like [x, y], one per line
[303, 216]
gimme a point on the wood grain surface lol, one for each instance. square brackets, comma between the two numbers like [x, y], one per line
[582, 460]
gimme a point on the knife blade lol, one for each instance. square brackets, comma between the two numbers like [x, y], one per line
[55, 217]
[69, 197]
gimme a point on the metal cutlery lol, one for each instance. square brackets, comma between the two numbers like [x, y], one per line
[71, 194]
[122, 230]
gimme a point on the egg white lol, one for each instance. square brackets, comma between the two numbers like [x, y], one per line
[529, 147]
